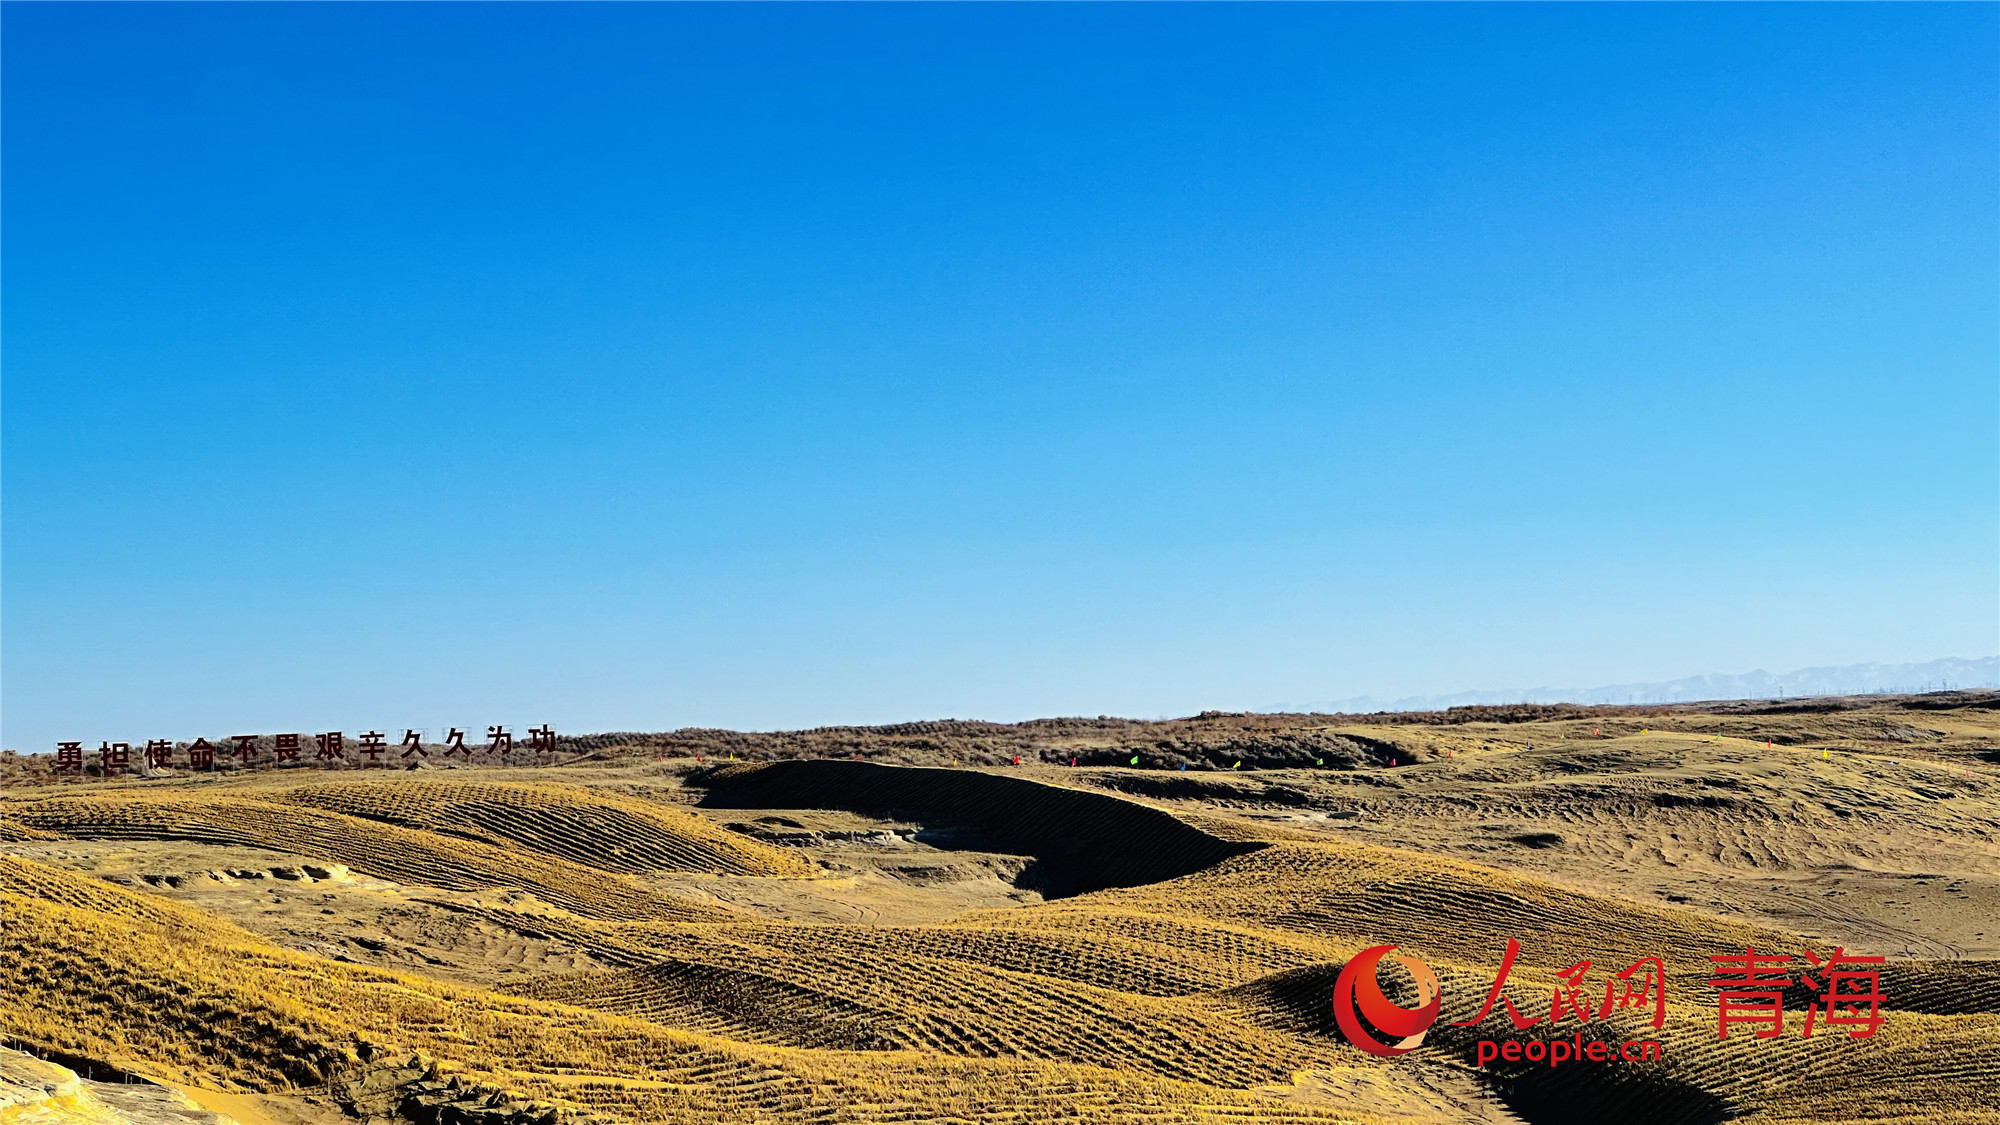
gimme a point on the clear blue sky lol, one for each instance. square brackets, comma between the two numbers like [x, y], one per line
[628, 367]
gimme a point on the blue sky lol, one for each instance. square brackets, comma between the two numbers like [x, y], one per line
[632, 367]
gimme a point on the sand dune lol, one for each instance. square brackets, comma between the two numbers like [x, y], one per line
[807, 940]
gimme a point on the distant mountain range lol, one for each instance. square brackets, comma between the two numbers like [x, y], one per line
[1850, 679]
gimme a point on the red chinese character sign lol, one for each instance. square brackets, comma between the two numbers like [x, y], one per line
[244, 751]
[1568, 999]
[1641, 985]
[1521, 1022]
[1648, 975]
[1750, 989]
[1843, 1005]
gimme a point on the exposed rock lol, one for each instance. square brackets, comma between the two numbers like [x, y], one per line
[36, 1092]
[414, 1092]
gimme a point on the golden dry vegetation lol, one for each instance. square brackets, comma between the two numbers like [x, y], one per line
[831, 940]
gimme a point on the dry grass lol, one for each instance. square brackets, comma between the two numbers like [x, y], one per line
[386, 851]
[156, 989]
[1193, 985]
[592, 828]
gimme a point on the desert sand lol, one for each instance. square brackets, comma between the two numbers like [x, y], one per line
[784, 933]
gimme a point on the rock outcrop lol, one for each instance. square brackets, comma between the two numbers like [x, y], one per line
[414, 1092]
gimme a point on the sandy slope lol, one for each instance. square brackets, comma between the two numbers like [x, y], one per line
[843, 941]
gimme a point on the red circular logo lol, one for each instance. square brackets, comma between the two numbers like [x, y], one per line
[1357, 988]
